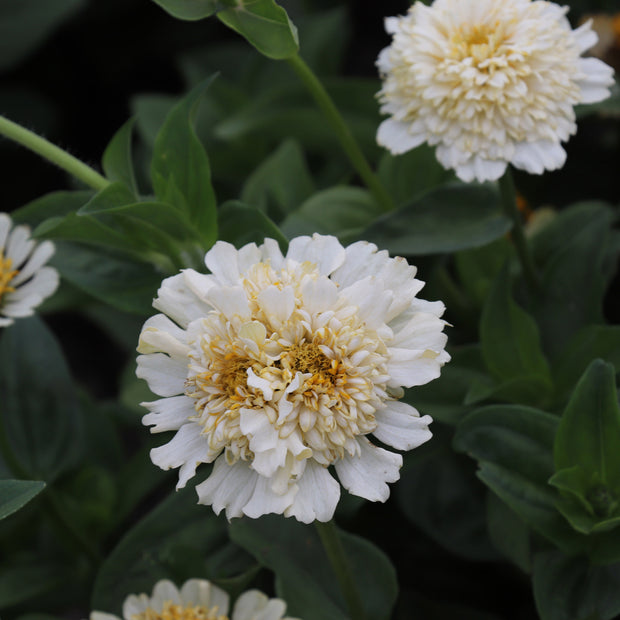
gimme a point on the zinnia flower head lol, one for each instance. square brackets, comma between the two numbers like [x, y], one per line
[489, 82]
[197, 599]
[277, 367]
[24, 281]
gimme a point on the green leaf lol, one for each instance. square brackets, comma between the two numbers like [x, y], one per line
[178, 540]
[602, 341]
[342, 211]
[52, 205]
[576, 252]
[508, 533]
[281, 183]
[510, 340]
[192, 9]
[436, 484]
[409, 175]
[24, 24]
[567, 588]
[295, 553]
[117, 162]
[240, 224]
[16, 493]
[180, 169]
[41, 419]
[446, 219]
[113, 278]
[513, 445]
[21, 583]
[586, 455]
[265, 25]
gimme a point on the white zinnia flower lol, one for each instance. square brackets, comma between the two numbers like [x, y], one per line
[277, 367]
[490, 82]
[24, 281]
[197, 599]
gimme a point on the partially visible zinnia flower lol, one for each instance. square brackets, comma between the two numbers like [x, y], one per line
[197, 599]
[24, 280]
[489, 82]
[277, 367]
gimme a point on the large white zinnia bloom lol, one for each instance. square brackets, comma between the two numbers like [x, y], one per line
[489, 82]
[277, 367]
[197, 599]
[24, 280]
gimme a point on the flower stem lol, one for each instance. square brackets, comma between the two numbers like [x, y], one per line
[338, 560]
[343, 133]
[52, 153]
[509, 205]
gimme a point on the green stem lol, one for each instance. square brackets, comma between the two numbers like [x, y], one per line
[509, 204]
[338, 560]
[52, 153]
[344, 135]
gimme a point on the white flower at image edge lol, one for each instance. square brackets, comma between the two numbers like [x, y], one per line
[197, 599]
[24, 280]
[488, 82]
[277, 367]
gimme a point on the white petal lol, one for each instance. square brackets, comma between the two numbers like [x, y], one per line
[5, 226]
[100, 615]
[366, 475]
[41, 285]
[277, 304]
[324, 251]
[254, 605]
[221, 261]
[165, 376]
[396, 138]
[176, 299]
[408, 368]
[38, 258]
[228, 487]
[160, 335]
[196, 592]
[19, 245]
[317, 497]
[231, 301]
[265, 501]
[163, 592]
[372, 300]
[135, 604]
[272, 254]
[168, 414]
[536, 157]
[399, 425]
[188, 448]
[318, 295]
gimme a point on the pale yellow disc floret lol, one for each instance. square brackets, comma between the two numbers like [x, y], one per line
[172, 611]
[6, 275]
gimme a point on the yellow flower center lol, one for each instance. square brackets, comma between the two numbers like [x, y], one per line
[479, 42]
[178, 612]
[6, 275]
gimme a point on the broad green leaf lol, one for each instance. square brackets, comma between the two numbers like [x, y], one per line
[240, 224]
[446, 219]
[178, 540]
[526, 390]
[113, 278]
[180, 169]
[342, 211]
[477, 268]
[509, 338]
[593, 341]
[41, 418]
[409, 175]
[568, 588]
[21, 583]
[16, 493]
[577, 252]
[435, 484]
[193, 9]
[508, 532]
[295, 553]
[24, 24]
[281, 183]
[513, 445]
[52, 205]
[265, 25]
[117, 162]
[586, 455]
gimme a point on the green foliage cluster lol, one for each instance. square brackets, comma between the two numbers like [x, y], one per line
[523, 472]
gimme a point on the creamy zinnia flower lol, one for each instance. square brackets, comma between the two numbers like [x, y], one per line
[24, 280]
[197, 599]
[489, 82]
[277, 367]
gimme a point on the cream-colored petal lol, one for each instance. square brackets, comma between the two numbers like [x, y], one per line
[400, 426]
[317, 497]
